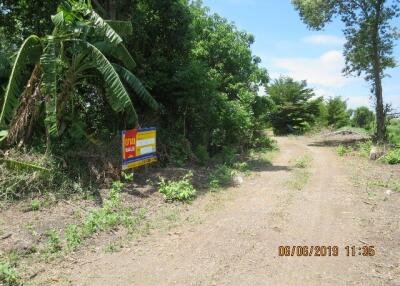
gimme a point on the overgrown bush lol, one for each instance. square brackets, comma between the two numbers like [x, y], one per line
[180, 190]
[392, 157]
[393, 130]
[8, 275]
[222, 176]
[343, 150]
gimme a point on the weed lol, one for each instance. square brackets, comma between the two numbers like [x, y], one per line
[110, 216]
[113, 247]
[202, 154]
[390, 183]
[342, 150]
[127, 177]
[299, 180]
[181, 190]
[222, 176]
[35, 205]
[364, 148]
[8, 275]
[54, 242]
[393, 157]
[302, 162]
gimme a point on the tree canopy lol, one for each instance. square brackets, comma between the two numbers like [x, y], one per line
[370, 35]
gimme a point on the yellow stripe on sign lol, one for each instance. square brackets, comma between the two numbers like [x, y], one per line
[139, 163]
[146, 135]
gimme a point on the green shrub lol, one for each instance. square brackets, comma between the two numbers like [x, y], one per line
[73, 235]
[202, 154]
[8, 275]
[342, 150]
[229, 155]
[54, 242]
[221, 176]
[393, 157]
[393, 130]
[364, 148]
[35, 205]
[302, 162]
[181, 190]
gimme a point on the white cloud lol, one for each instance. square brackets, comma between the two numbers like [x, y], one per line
[325, 70]
[323, 40]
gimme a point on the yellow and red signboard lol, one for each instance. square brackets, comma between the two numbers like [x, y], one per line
[138, 147]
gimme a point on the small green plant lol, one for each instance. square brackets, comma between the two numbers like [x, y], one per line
[35, 205]
[181, 190]
[202, 154]
[342, 150]
[73, 235]
[221, 176]
[364, 148]
[8, 275]
[110, 216]
[54, 242]
[127, 177]
[112, 247]
[302, 162]
[393, 157]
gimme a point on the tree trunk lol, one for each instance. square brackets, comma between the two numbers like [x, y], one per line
[377, 70]
[380, 114]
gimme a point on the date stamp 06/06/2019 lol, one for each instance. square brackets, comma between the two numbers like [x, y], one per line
[326, 251]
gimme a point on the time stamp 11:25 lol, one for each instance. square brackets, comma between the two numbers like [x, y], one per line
[329, 251]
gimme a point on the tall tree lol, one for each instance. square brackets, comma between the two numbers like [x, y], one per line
[294, 109]
[370, 36]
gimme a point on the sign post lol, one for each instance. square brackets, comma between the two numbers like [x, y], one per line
[138, 147]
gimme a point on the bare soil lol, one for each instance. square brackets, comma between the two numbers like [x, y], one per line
[232, 238]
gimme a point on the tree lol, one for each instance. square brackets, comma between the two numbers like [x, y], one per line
[81, 46]
[294, 109]
[370, 39]
[337, 115]
[363, 117]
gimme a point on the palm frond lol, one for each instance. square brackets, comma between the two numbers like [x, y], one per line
[123, 28]
[21, 165]
[49, 84]
[29, 53]
[135, 84]
[117, 95]
[3, 135]
[58, 19]
[119, 52]
[103, 28]
[4, 65]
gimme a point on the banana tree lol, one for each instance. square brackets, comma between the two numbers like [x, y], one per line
[82, 45]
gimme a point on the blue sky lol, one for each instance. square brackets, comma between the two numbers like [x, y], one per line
[287, 47]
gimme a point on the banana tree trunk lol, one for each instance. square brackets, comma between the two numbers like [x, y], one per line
[21, 127]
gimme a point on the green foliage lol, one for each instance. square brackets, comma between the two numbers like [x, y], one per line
[364, 148]
[35, 205]
[53, 242]
[393, 130]
[181, 190]
[294, 109]
[337, 115]
[363, 118]
[70, 57]
[343, 150]
[8, 275]
[222, 176]
[29, 53]
[110, 216]
[392, 157]
[370, 32]
[302, 162]
[202, 154]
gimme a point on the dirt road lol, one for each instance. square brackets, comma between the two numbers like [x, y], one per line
[237, 244]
